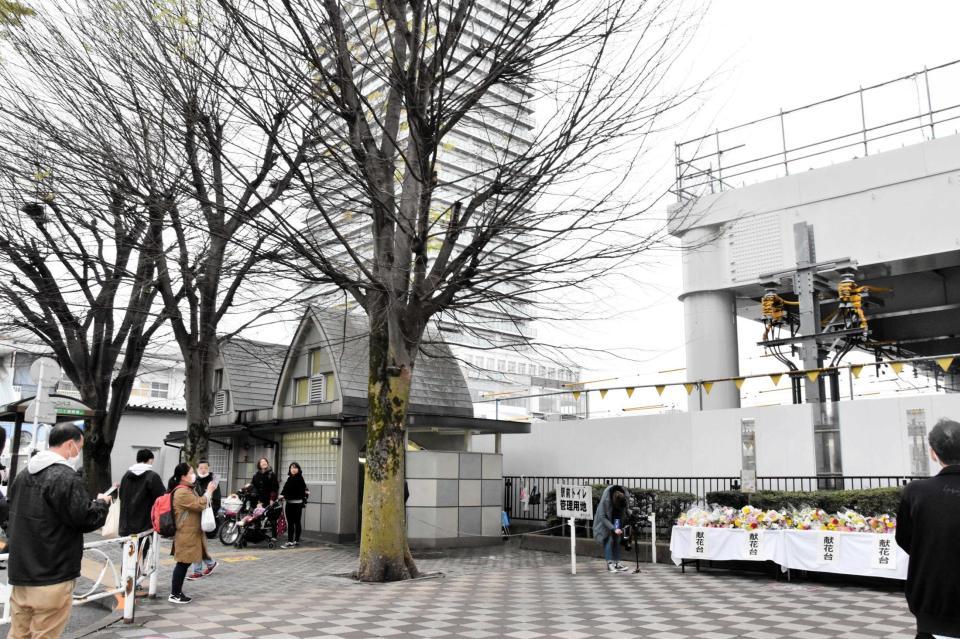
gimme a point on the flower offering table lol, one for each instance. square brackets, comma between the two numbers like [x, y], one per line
[850, 553]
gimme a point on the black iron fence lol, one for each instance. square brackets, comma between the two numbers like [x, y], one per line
[535, 488]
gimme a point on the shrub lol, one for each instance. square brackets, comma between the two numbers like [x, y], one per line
[869, 502]
[666, 504]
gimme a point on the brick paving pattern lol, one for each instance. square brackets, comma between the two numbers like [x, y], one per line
[505, 592]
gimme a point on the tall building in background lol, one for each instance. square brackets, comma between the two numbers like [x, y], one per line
[494, 343]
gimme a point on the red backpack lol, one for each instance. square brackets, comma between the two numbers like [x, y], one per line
[161, 515]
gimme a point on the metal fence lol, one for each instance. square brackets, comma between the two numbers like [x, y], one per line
[906, 110]
[516, 486]
[139, 562]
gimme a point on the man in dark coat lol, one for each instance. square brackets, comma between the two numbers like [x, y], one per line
[50, 510]
[927, 525]
[139, 488]
[611, 511]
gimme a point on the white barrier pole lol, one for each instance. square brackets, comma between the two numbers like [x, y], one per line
[154, 563]
[128, 578]
[653, 538]
[573, 546]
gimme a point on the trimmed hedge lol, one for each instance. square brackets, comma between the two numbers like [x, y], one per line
[666, 504]
[870, 502]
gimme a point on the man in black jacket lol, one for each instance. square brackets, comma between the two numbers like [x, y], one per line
[50, 511]
[139, 488]
[927, 525]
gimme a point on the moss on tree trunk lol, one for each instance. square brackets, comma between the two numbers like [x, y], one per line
[384, 553]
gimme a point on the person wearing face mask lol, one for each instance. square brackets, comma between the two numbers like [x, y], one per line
[50, 510]
[189, 543]
[204, 479]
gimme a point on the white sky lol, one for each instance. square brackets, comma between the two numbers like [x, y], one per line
[763, 56]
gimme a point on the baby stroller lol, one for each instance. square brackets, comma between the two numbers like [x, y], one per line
[235, 508]
[260, 525]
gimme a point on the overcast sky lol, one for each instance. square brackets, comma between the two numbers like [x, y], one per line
[763, 56]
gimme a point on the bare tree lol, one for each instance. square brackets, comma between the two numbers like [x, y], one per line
[430, 193]
[185, 129]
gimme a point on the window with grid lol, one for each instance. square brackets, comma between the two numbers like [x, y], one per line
[313, 451]
[159, 390]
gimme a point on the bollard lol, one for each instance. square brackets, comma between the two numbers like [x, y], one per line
[573, 546]
[128, 578]
[154, 564]
[653, 537]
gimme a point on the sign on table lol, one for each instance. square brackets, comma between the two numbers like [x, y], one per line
[882, 554]
[698, 546]
[574, 501]
[829, 548]
[752, 546]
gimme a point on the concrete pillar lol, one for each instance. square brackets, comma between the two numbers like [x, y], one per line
[710, 327]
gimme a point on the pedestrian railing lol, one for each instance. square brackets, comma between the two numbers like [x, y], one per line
[139, 564]
[535, 509]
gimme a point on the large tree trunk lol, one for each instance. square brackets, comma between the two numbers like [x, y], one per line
[97, 473]
[384, 554]
[199, 362]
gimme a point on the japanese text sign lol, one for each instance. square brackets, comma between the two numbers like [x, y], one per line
[574, 501]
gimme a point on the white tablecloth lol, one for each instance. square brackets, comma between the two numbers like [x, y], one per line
[866, 554]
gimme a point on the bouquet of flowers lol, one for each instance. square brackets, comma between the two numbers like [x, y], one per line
[751, 518]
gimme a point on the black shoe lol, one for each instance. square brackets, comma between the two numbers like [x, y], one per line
[179, 599]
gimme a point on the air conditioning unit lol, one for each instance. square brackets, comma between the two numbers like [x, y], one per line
[318, 389]
[221, 402]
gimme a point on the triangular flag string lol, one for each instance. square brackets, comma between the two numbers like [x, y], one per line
[707, 386]
[945, 363]
[689, 388]
[813, 375]
[775, 378]
[576, 395]
[739, 382]
[630, 392]
[603, 393]
[897, 367]
[661, 388]
[856, 370]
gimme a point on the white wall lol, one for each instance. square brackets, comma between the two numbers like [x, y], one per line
[874, 441]
[145, 430]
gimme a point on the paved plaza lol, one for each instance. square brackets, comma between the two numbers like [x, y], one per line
[505, 591]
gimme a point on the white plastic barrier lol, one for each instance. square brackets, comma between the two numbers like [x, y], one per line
[137, 564]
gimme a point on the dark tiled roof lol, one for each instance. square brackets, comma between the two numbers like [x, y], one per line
[253, 369]
[438, 384]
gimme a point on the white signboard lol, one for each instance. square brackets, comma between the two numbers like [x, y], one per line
[42, 412]
[698, 543]
[828, 548]
[882, 553]
[574, 501]
[753, 543]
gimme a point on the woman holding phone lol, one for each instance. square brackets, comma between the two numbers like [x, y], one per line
[204, 480]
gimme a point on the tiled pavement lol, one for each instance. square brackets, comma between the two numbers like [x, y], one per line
[506, 592]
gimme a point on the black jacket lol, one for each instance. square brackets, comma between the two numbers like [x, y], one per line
[927, 529]
[137, 494]
[295, 488]
[201, 489]
[50, 510]
[266, 486]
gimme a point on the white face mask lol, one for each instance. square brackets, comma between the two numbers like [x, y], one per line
[203, 475]
[191, 478]
[75, 461]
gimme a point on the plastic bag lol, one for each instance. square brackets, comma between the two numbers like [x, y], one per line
[111, 526]
[208, 522]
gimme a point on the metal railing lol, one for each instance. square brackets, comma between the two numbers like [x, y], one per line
[906, 110]
[137, 564]
[518, 509]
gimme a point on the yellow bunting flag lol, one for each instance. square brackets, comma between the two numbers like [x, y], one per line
[813, 375]
[576, 395]
[775, 378]
[707, 386]
[603, 393]
[739, 382]
[630, 392]
[661, 388]
[945, 363]
[897, 367]
[689, 388]
[855, 370]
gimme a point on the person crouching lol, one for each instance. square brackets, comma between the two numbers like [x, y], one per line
[607, 526]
